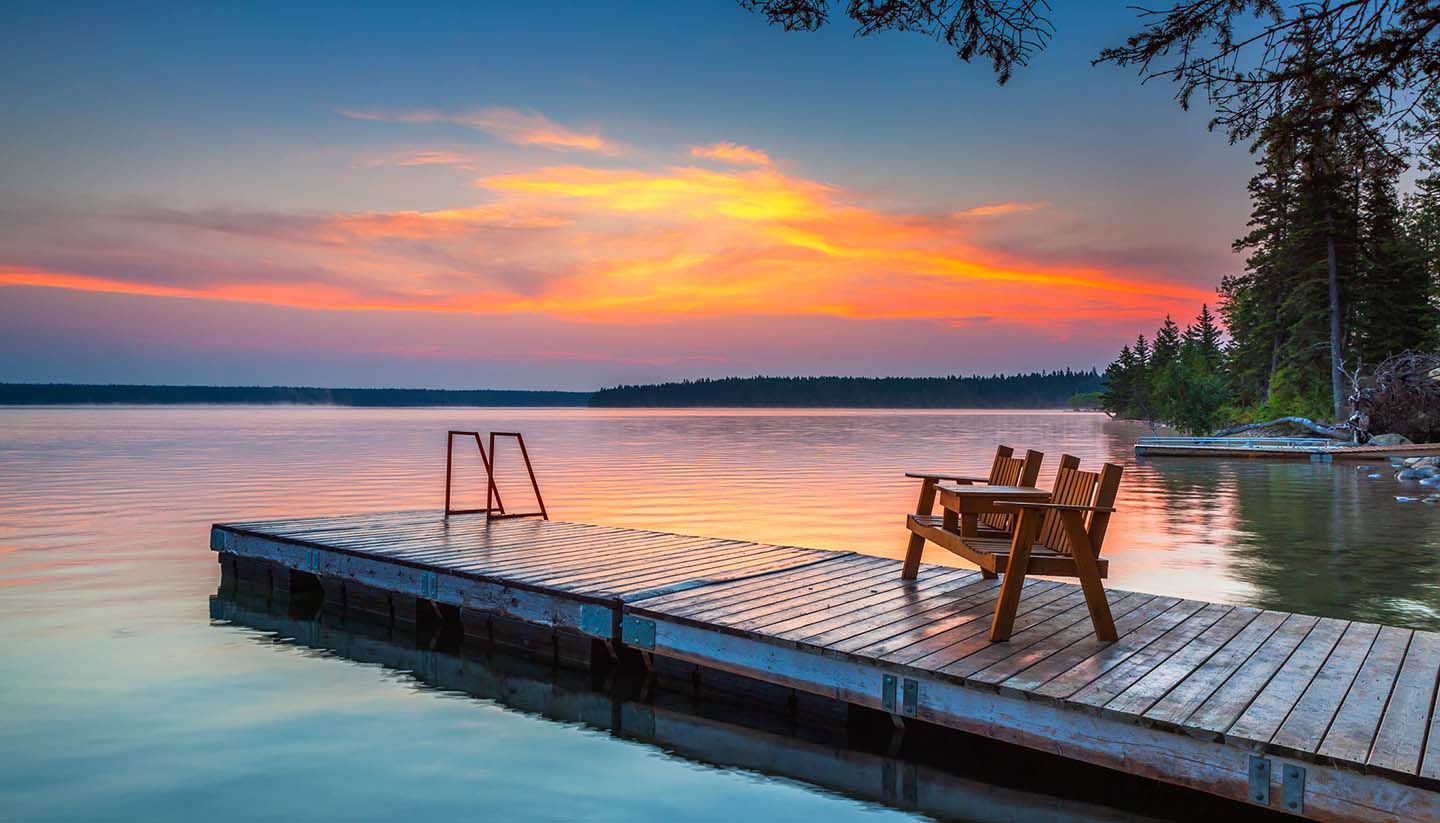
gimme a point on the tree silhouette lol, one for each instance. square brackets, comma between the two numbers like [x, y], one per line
[1238, 53]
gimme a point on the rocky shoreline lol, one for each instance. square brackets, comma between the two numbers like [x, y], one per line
[1422, 474]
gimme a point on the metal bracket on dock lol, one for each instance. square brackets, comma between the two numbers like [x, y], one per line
[906, 690]
[312, 561]
[1292, 788]
[637, 632]
[429, 585]
[598, 621]
[1260, 780]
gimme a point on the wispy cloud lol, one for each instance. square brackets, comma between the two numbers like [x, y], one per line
[517, 126]
[731, 153]
[997, 209]
[428, 157]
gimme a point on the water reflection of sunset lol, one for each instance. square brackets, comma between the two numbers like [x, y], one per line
[142, 484]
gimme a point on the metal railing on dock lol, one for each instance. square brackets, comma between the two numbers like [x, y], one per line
[494, 506]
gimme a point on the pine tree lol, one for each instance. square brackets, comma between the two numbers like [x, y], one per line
[1140, 382]
[1394, 311]
[1165, 350]
[1422, 215]
[1204, 335]
[1118, 393]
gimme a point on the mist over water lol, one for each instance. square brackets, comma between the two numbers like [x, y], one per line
[119, 698]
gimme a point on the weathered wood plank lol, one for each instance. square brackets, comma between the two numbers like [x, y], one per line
[993, 664]
[1308, 721]
[779, 596]
[1187, 695]
[1400, 742]
[1065, 672]
[1358, 719]
[1156, 683]
[763, 610]
[948, 594]
[1139, 612]
[882, 602]
[926, 622]
[692, 601]
[1221, 709]
[913, 646]
[1094, 694]
[1262, 718]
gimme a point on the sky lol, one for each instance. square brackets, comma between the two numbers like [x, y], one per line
[574, 195]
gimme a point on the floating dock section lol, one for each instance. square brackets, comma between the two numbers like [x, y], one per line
[1319, 718]
[1316, 449]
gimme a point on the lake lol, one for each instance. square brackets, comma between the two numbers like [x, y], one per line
[121, 697]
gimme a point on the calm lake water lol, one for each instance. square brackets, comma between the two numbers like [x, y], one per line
[121, 697]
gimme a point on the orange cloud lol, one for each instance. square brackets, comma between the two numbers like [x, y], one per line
[731, 153]
[627, 246]
[523, 128]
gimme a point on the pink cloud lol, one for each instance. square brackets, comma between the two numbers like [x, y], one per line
[731, 153]
[517, 126]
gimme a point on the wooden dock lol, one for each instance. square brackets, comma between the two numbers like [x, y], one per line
[1321, 718]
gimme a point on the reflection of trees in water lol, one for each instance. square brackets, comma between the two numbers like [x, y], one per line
[1315, 538]
[1320, 538]
[1199, 495]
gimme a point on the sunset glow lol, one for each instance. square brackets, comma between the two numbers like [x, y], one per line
[559, 220]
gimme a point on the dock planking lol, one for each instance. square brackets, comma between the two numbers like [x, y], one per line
[1188, 695]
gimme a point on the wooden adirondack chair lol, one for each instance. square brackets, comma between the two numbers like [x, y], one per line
[1062, 537]
[1006, 470]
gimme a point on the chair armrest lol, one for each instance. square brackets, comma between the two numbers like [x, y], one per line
[1023, 504]
[958, 478]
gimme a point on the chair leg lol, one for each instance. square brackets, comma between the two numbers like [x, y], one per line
[924, 506]
[1005, 607]
[986, 574]
[1089, 574]
[913, 552]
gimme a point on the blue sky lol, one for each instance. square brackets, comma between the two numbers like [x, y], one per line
[235, 108]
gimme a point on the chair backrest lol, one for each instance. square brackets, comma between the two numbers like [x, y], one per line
[1008, 470]
[1074, 487]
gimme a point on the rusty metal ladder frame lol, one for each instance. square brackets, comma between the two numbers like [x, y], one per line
[494, 507]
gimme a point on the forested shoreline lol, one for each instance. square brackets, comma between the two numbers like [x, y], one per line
[1340, 296]
[47, 394]
[1037, 390]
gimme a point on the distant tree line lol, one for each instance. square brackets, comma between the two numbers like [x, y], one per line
[33, 394]
[1037, 390]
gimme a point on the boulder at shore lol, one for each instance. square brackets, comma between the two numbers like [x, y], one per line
[1389, 440]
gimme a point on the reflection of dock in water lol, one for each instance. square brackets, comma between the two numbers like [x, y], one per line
[713, 728]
